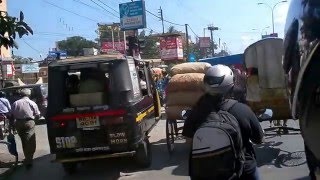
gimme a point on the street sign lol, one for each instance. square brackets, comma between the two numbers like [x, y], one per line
[30, 68]
[192, 57]
[132, 15]
[204, 42]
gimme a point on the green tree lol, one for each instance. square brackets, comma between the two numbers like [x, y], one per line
[222, 53]
[17, 59]
[21, 60]
[74, 45]
[151, 49]
[11, 27]
[172, 29]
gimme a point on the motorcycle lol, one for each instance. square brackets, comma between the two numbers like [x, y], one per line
[4, 127]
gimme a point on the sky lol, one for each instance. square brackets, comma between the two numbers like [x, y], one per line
[240, 22]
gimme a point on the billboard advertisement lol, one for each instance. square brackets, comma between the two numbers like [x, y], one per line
[204, 42]
[108, 46]
[269, 35]
[171, 48]
[132, 15]
[30, 68]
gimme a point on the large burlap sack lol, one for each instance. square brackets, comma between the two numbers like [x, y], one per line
[186, 82]
[183, 98]
[174, 112]
[194, 67]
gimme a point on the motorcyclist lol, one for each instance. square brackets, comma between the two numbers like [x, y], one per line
[219, 83]
[301, 64]
[5, 109]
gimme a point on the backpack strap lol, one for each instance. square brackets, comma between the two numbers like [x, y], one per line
[228, 104]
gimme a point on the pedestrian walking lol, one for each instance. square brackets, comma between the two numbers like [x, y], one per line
[25, 112]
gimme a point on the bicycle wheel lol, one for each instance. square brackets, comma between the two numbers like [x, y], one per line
[170, 135]
[294, 159]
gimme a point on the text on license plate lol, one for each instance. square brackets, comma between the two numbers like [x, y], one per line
[87, 122]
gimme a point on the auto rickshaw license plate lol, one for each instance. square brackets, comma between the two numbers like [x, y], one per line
[87, 122]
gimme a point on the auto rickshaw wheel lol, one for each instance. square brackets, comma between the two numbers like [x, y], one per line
[70, 167]
[143, 154]
[170, 135]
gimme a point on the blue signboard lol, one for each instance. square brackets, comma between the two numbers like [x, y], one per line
[30, 68]
[54, 54]
[132, 15]
[192, 57]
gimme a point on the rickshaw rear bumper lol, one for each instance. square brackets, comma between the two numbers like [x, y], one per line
[101, 156]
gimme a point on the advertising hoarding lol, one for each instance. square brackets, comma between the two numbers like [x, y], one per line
[132, 15]
[204, 42]
[171, 48]
[30, 68]
[118, 46]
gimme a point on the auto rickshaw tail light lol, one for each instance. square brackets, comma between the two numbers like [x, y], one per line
[60, 124]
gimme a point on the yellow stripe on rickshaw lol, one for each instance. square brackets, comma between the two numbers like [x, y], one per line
[144, 114]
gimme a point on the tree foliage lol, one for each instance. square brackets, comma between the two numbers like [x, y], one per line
[172, 29]
[11, 27]
[21, 60]
[74, 45]
[151, 49]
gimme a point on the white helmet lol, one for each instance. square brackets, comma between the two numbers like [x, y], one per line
[219, 79]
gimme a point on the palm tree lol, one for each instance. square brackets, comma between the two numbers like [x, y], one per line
[172, 29]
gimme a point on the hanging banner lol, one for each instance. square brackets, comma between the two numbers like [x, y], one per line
[9, 70]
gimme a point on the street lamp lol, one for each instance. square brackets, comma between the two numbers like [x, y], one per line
[272, 11]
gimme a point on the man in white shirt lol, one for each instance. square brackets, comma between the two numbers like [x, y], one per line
[25, 112]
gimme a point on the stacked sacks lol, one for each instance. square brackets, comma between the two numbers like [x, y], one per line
[185, 87]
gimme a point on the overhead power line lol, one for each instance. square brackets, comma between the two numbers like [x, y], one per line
[69, 11]
[153, 14]
[108, 6]
[173, 23]
[85, 4]
[164, 19]
[193, 31]
[105, 9]
[30, 46]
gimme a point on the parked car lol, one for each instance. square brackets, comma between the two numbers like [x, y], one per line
[39, 93]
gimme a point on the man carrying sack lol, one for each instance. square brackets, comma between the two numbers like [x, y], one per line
[25, 111]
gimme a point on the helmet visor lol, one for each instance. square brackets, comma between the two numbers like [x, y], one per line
[211, 80]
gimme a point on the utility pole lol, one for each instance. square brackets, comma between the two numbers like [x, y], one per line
[161, 18]
[187, 39]
[211, 28]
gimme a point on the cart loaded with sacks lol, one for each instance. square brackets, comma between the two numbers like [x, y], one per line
[183, 91]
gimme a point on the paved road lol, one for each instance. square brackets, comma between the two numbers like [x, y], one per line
[164, 166]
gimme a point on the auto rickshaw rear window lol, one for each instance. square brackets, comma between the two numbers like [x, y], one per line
[87, 85]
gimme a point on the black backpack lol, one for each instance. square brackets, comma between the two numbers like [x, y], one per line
[217, 149]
